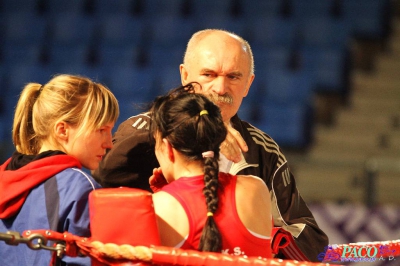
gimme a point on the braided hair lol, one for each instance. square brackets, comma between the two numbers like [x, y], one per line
[194, 126]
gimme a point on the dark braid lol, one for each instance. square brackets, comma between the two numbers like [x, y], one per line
[176, 116]
[210, 238]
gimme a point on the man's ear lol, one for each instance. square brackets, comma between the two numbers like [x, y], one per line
[250, 81]
[62, 130]
[184, 74]
[169, 150]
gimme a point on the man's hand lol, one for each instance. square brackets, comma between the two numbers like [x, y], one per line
[233, 144]
[157, 180]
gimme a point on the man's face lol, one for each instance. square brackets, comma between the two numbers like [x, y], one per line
[222, 68]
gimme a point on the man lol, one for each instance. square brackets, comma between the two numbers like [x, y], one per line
[223, 64]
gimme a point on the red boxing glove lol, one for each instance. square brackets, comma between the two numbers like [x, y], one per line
[283, 242]
[280, 239]
[157, 180]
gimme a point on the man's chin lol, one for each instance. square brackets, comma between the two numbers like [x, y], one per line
[225, 116]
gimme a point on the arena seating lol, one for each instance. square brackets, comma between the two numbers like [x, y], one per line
[128, 43]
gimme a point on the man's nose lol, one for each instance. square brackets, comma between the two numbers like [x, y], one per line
[219, 86]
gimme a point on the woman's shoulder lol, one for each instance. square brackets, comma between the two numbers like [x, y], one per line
[252, 184]
[77, 177]
[251, 179]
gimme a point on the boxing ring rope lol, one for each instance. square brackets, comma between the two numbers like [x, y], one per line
[119, 255]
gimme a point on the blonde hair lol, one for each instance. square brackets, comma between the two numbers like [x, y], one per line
[75, 100]
[199, 35]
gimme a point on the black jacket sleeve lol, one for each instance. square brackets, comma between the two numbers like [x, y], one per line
[289, 210]
[291, 213]
[131, 161]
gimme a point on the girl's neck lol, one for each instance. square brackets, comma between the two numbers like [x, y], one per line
[188, 169]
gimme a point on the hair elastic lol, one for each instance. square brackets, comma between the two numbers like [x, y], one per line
[203, 112]
[208, 154]
[210, 214]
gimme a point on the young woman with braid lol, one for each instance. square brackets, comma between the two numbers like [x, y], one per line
[200, 207]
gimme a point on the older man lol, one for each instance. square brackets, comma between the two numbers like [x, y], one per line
[222, 63]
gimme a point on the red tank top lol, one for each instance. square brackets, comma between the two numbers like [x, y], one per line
[236, 238]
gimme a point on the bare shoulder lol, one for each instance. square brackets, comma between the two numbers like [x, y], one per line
[163, 199]
[252, 189]
[251, 182]
[172, 221]
[253, 203]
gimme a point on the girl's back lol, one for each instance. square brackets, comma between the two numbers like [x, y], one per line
[243, 216]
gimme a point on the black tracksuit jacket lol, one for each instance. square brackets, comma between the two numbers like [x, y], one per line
[132, 159]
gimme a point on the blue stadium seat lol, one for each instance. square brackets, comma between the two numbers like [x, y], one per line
[121, 28]
[7, 104]
[272, 31]
[160, 57]
[72, 28]
[128, 108]
[267, 57]
[330, 67]
[290, 125]
[106, 7]
[64, 54]
[212, 8]
[6, 144]
[254, 9]
[18, 75]
[325, 32]
[95, 73]
[169, 30]
[369, 19]
[25, 53]
[166, 79]
[248, 110]
[4, 127]
[156, 8]
[286, 107]
[289, 86]
[134, 89]
[11, 6]
[9, 101]
[131, 83]
[3, 85]
[23, 28]
[311, 8]
[6, 123]
[55, 8]
[110, 54]
[222, 21]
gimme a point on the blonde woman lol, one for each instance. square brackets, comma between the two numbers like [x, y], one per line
[59, 128]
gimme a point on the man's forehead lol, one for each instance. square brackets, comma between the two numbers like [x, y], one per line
[234, 72]
[219, 41]
[228, 62]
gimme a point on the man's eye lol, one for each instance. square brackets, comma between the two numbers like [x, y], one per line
[209, 75]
